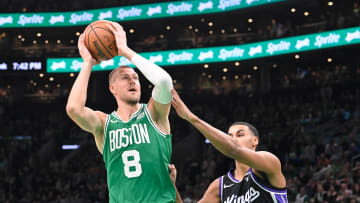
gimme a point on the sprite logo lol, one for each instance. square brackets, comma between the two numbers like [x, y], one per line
[282, 46]
[330, 39]
[228, 3]
[255, 50]
[157, 58]
[302, 43]
[34, 19]
[75, 18]
[58, 65]
[183, 7]
[156, 10]
[133, 12]
[56, 19]
[4, 20]
[206, 55]
[206, 5]
[105, 15]
[184, 56]
[350, 36]
[234, 53]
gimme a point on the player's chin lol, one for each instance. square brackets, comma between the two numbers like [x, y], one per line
[133, 99]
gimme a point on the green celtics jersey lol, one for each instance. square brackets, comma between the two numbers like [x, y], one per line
[136, 155]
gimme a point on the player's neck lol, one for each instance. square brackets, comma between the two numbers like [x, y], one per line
[240, 170]
[125, 110]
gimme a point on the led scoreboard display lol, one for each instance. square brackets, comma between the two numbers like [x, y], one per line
[21, 66]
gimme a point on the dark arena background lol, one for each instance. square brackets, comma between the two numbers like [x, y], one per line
[289, 67]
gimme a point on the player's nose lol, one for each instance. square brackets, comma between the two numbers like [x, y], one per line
[132, 81]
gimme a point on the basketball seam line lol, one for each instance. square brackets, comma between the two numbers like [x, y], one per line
[100, 40]
[110, 33]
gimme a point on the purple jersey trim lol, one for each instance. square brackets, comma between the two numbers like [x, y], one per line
[220, 187]
[264, 186]
[281, 198]
[233, 178]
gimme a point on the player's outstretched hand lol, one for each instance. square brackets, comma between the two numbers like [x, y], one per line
[172, 172]
[120, 37]
[84, 52]
[181, 109]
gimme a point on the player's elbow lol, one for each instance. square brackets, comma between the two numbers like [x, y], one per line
[166, 82]
[71, 110]
[162, 91]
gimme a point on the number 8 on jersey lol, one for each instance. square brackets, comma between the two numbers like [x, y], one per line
[130, 164]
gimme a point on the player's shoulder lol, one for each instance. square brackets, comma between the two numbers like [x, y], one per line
[215, 184]
[101, 115]
[268, 155]
[271, 159]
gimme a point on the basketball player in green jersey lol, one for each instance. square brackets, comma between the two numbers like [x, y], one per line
[135, 139]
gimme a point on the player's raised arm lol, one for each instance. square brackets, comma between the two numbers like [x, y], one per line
[159, 104]
[228, 145]
[84, 117]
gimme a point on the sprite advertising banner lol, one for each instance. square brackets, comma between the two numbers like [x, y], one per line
[289, 45]
[126, 13]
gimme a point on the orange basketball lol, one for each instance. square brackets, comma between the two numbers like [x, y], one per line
[100, 41]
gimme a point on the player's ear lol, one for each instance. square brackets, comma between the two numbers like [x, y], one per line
[112, 89]
[256, 140]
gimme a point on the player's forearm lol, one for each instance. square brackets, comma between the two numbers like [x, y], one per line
[154, 73]
[219, 139]
[128, 53]
[78, 93]
[161, 80]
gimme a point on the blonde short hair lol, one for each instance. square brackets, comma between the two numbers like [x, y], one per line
[112, 73]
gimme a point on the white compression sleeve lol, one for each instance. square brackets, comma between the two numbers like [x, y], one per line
[161, 80]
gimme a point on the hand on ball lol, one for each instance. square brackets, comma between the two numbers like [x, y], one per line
[84, 52]
[120, 37]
